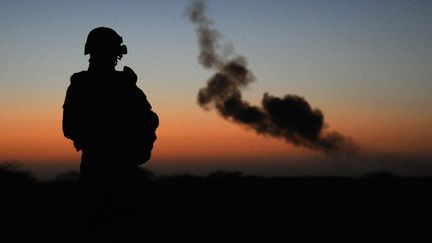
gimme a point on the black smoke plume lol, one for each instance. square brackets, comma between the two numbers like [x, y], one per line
[290, 117]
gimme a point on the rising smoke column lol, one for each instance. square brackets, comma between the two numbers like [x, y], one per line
[290, 117]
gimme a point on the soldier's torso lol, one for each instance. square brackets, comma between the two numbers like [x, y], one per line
[106, 106]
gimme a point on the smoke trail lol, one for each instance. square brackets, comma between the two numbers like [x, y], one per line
[290, 117]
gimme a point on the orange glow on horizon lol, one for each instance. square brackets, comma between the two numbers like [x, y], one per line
[199, 135]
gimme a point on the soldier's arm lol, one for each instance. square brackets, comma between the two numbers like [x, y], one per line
[70, 123]
[68, 116]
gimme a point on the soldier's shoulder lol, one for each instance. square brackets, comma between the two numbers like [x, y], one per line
[78, 77]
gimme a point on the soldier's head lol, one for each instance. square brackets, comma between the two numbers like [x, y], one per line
[104, 46]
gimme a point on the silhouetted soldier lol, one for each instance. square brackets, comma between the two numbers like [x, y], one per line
[106, 115]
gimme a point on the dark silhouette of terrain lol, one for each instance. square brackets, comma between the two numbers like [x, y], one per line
[223, 206]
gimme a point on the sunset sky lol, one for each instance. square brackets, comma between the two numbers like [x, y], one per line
[365, 64]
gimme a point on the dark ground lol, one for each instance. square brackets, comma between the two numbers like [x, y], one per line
[223, 206]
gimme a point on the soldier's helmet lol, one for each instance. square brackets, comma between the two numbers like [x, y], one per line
[104, 41]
